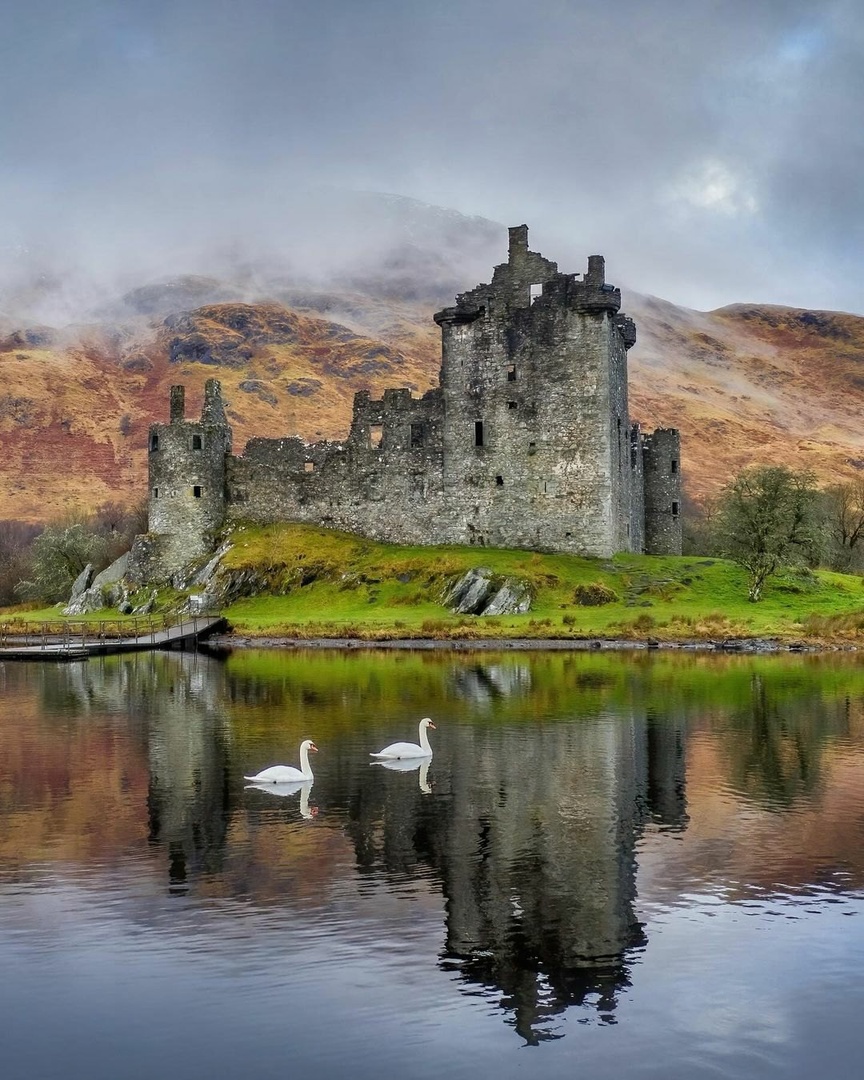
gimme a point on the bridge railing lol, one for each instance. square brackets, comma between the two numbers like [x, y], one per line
[70, 632]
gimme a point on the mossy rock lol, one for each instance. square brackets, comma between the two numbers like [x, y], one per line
[594, 594]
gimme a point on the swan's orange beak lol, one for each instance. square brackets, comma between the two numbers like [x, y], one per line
[314, 747]
[430, 724]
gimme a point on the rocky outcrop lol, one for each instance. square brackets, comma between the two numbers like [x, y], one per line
[227, 334]
[107, 589]
[480, 592]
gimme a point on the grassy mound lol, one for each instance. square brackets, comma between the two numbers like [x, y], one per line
[323, 583]
[300, 581]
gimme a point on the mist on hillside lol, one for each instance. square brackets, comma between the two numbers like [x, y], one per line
[372, 243]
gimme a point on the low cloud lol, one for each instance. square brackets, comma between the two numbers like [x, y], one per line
[712, 150]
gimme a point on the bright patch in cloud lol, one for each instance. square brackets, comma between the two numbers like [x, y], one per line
[712, 185]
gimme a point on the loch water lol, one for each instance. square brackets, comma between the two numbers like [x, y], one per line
[615, 865]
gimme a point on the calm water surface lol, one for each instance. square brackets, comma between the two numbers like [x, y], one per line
[614, 866]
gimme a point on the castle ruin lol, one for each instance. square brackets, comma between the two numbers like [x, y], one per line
[526, 443]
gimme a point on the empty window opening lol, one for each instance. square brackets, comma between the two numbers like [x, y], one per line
[536, 292]
[512, 404]
[568, 534]
[499, 481]
[673, 465]
[154, 442]
[309, 466]
[416, 435]
[674, 509]
[532, 448]
[376, 434]
[196, 442]
[633, 458]
[196, 491]
[155, 493]
[478, 432]
[511, 373]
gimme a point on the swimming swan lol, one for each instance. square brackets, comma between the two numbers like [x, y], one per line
[409, 749]
[287, 774]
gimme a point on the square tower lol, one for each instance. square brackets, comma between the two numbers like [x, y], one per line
[536, 433]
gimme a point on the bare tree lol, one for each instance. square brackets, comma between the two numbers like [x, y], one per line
[768, 519]
[16, 538]
[844, 512]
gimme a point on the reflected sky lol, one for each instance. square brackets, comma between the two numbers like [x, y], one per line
[648, 866]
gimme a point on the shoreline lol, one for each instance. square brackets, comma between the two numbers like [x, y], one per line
[223, 643]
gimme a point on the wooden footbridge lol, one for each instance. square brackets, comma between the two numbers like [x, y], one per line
[79, 639]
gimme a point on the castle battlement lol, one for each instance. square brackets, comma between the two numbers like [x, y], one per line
[527, 442]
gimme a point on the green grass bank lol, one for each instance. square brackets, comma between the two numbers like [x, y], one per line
[323, 583]
[320, 583]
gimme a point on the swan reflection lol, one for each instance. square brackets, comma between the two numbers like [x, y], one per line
[282, 790]
[409, 765]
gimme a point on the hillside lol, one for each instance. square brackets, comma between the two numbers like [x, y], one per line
[745, 384]
[751, 383]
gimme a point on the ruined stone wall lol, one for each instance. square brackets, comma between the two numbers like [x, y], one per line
[662, 456]
[384, 481]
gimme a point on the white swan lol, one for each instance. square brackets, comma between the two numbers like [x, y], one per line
[409, 749]
[287, 774]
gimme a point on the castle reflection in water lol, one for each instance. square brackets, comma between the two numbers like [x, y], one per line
[530, 830]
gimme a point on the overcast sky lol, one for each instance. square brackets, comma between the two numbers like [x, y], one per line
[713, 150]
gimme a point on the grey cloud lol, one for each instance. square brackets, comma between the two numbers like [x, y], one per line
[712, 150]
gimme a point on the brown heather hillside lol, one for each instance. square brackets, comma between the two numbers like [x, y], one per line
[75, 407]
[751, 384]
[745, 384]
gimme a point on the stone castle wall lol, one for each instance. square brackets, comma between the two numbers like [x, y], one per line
[384, 481]
[526, 443]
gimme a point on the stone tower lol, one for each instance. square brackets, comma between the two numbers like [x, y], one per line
[538, 449]
[662, 463]
[186, 467]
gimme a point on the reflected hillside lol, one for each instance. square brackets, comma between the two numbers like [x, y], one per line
[100, 758]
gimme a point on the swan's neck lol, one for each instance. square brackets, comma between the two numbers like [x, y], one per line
[424, 739]
[305, 767]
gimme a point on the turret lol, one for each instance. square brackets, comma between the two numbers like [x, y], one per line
[186, 466]
[662, 464]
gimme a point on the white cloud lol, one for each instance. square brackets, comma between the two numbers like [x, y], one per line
[713, 185]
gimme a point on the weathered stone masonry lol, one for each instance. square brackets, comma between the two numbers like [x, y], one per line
[527, 443]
